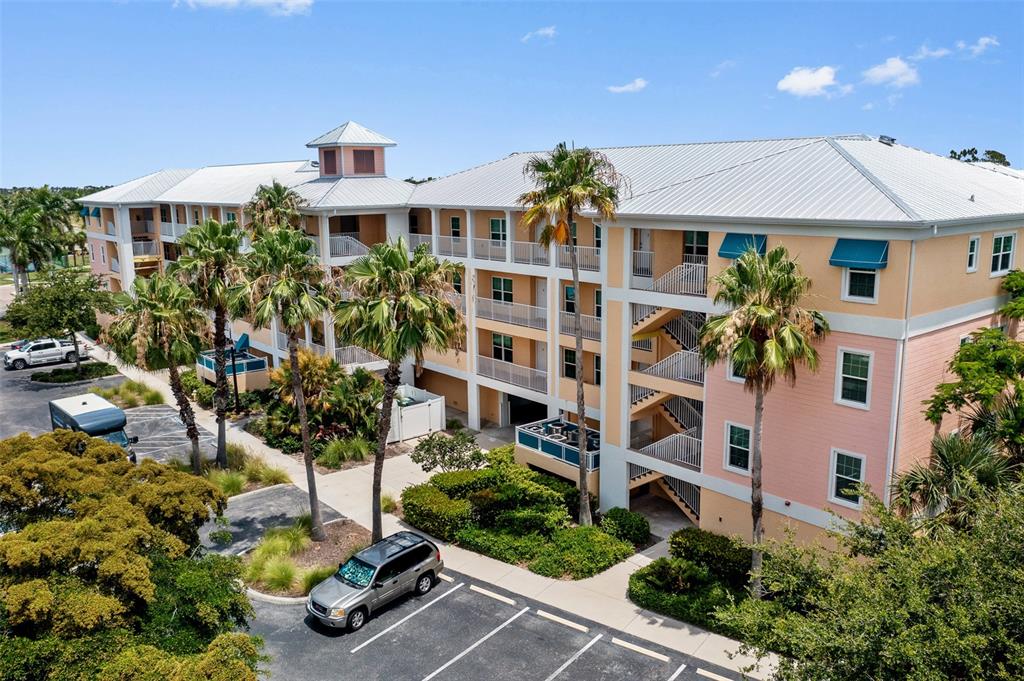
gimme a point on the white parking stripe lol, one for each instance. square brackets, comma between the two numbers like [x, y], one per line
[497, 597]
[563, 621]
[637, 649]
[711, 675]
[676, 673]
[407, 617]
[574, 657]
[470, 649]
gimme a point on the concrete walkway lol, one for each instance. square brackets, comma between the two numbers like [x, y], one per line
[601, 598]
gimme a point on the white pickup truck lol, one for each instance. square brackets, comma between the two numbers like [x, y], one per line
[44, 351]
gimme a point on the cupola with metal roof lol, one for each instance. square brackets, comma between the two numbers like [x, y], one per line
[351, 150]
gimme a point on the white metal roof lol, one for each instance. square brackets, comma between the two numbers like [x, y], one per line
[351, 133]
[235, 184]
[355, 192]
[143, 189]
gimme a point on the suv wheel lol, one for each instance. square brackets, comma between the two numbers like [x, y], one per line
[424, 584]
[19, 364]
[356, 620]
[71, 357]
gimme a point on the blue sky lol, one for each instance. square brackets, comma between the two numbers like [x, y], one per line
[98, 93]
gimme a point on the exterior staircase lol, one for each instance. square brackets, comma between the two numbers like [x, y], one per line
[684, 495]
[649, 317]
[642, 399]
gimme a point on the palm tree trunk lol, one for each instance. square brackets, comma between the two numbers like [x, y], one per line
[20, 277]
[221, 394]
[392, 377]
[581, 407]
[317, 524]
[188, 417]
[78, 355]
[756, 495]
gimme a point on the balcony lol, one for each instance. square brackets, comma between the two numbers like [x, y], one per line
[115, 265]
[689, 278]
[588, 258]
[346, 246]
[352, 356]
[682, 449]
[145, 249]
[248, 371]
[489, 249]
[416, 240]
[452, 246]
[591, 325]
[643, 264]
[458, 300]
[512, 313]
[685, 366]
[514, 374]
[530, 253]
[282, 344]
[559, 439]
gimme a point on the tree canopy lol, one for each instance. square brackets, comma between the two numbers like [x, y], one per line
[986, 367]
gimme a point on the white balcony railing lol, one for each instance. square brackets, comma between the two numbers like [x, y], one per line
[643, 264]
[345, 246]
[166, 229]
[507, 372]
[639, 393]
[683, 449]
[588, 258]
[591, 325]
[282, 344]
[686, 491]
[690, 278]
[415, 240]
[452, 246]
[684, 365]
[489, 249]
[530, 253]
[144, 248]
[352, 355]
[512, 313]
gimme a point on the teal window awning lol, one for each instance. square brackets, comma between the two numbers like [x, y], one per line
[736, 244]
[84, 212]
[861, 254]
[95, 212]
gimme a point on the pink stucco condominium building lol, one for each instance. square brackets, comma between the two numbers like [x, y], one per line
[906, 250]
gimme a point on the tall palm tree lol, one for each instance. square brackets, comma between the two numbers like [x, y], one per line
[568, 181]
[211, 266]
[767, 335]
[398, 308]
[28, 232]
[1002, 422]
[161, 325]
[284, 281]
[961, 468]
[273, 206]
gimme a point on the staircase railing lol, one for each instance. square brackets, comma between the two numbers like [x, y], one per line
[684, 412]
[344, 246]
[684, 365]
[687, 492]
[638, 393]
[681, 449]
[689, 278]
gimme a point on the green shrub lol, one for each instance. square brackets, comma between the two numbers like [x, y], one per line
[452, 424]
[90, 370]
[203, 395]
[129, 400]
[681, 589]
[341, 450]
[568, 491]
[532, 521]
[460, 484]
[485, 505]
[503, 546]
[502, 456]
[580, 552]
[190, 380]
[279, 573]
[291, 540]
[304, 523]
[270, 475]
[388, 503]
[434, 512]
[314, 576]
[152, 397]
[228, 482]
[723, 556]
[289, 444]
[238, 456]
[627, 525]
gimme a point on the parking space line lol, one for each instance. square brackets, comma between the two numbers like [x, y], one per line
[563, 621]
[637, 649]
[676, 673]
[407, 617]
[497, 597]
[575, 657]
[470, 649]
[446, 578]
[711, 675]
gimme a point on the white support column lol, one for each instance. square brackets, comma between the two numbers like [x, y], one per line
[325, 241]
[273, 343]
[435, 229]
[174, 222]
[397, 224]
[472, 389]
[554, 348]
[203, 208]
[470, 235]
[508, 236]
[125, 253]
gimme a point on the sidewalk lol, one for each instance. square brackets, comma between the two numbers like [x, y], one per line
[601, 598]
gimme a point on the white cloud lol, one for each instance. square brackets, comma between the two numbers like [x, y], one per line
[867, 107]
[892, 99]
[925, 52]
[804, 81]
[635, 85]
[980, 46]
[722, 68]
[547, 32]
[893, 72]
[281, 8]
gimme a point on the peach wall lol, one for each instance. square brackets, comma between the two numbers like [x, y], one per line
[612, 366]
[482, 223]
[423, 225]
[803, 423]
[523, 285]
[446, 222]
[456, 360]
[615, 242]
[725, 515]
[522, 347]
[453, 389]
[337, 161]
[490, 405]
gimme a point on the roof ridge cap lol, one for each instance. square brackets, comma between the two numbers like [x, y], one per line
[874, 180]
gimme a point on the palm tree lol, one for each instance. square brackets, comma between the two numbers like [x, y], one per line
[273, 206]
[568, 181]
[161, 325]
[1002, 422]
[210, 266]
[766, 335]
[398, 307]
[284, 281]
[961, 468]
[28, 231]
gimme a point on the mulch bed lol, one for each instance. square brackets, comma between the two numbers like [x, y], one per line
[392, 450]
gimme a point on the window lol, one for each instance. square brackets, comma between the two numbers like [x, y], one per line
[1002, 254]
[103, 254]
[735, 374]
[569, 299]
[568, 363]
[164, 214]
[847, 472]
[330, 166]
[457, 282]
[853, 383]
[195, 217]
[597, 236]
[456, 225]
[860, 286]
[232, 216]
[414, 223]
[737, 447]
[501, 347]
[597, 303]
[501, 289]
[972, 253]
[499, 229]
[363, 160]
[597, 369]
[964, 340]
[695, 243]
[92, 252]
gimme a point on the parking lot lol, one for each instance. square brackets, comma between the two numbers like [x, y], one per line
[467, 630]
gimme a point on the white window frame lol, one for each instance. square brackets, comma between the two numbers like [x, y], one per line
[1013, 253]
[511, 348]
[833, 458]
[92, 253]
[598, 303]
[231, 216]
[502, 229]
[452, 229]
[565, 298]
[103, 254]
[725, 449]
[574, 363]
[195, 216]
[457, 282]
[597, 236]
[730, 375]
[973, 252]
[597, 369]
[838, 396]
[501, 281]
[845, 293]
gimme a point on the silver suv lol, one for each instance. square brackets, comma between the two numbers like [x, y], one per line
[396, 565]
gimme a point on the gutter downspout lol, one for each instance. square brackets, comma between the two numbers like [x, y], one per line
[901, 365]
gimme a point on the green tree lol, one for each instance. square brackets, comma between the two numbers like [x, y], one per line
[1002, 422]
[160, 326]
[1013, 285]
[31, 229]
[568, 181]
[971, 156]
[210, 265]
[61, 305]
[985, 368]
[398, 308]
[273, 206]
[455, 452]
[284, 281]
[766, 335]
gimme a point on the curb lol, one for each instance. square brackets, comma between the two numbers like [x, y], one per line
[81, 382]
[267, 598]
